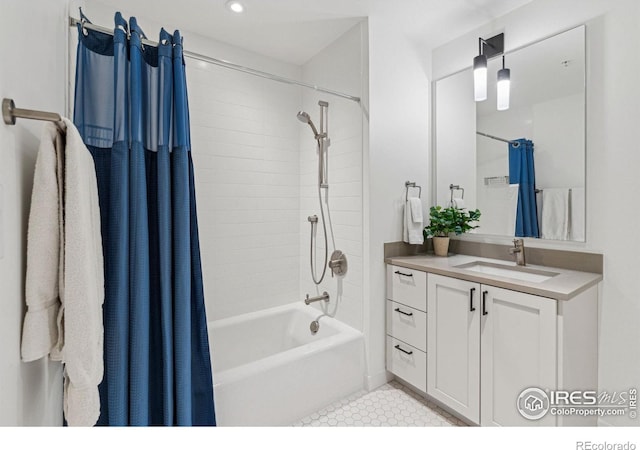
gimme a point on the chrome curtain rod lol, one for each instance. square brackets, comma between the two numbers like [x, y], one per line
[220, 62]
[496, 138]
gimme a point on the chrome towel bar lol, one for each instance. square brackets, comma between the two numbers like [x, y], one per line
[10, 113]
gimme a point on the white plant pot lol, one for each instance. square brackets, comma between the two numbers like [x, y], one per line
[441, 245]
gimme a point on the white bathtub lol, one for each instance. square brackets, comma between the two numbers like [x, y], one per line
[268, 369]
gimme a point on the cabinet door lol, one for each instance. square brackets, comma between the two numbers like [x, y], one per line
[453, 344]
[518, 338]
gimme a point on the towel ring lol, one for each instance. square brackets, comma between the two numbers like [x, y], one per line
[455, 187]
[412, 184]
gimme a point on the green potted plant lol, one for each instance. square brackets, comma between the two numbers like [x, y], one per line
[444, 221]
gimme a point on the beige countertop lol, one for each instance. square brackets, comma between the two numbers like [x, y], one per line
[563, 286]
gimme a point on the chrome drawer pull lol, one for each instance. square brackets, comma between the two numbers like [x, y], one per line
[403, 350]
[404, 274]
[402, 312]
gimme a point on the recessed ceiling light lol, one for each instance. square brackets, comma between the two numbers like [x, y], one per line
[235, 6]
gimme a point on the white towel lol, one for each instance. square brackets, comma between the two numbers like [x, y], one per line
[416, 209]
[458, 203]
[555, 214]
[576, 215]
[412, 230]
[65, 285]
[511, 211]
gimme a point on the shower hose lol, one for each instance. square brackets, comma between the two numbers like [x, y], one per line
[313, 242]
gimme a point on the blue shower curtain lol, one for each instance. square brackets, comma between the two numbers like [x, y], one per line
[522, 172]
[131, 109]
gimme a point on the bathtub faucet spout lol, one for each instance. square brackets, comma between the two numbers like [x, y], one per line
[309, 300]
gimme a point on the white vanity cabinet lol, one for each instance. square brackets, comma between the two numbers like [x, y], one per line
[484, 345]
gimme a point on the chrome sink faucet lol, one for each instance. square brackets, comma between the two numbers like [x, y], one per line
[518, 250]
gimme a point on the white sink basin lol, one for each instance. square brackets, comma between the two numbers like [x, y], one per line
[502, 270]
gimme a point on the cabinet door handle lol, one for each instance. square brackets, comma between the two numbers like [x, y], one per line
[410, 352]
[484, 303]
[404, 274]
[402, 312]
[471, 292]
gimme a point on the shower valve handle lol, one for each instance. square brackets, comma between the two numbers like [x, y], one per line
[338, 264]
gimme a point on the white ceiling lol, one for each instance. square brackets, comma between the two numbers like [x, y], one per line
[295, 30]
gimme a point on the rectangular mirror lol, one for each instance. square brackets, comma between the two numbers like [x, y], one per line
[523, 168]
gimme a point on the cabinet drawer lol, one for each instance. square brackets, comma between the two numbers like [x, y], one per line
[407, 324]
[410, 364]
[407, 286]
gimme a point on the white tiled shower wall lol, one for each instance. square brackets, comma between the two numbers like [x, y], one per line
[338, 67]
[245, 150]
[255, 176]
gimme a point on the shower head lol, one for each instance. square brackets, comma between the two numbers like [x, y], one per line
[305, 118]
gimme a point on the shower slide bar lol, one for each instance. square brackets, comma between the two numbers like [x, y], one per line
[220, 62]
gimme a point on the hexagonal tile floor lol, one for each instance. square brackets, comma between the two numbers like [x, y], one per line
[391, 405]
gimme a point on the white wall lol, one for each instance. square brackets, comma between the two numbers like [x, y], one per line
[345, 174]
[398, 152]
[613, 114]
[33, 74]
[558, 137]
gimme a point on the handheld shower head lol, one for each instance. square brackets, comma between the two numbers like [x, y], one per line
[305, 118]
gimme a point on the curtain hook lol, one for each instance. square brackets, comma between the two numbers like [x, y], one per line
[83, 22]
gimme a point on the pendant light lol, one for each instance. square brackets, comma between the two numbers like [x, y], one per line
[487, 49]
[480, 75]
[504, 87]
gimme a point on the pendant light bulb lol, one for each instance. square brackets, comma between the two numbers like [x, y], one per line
[480, 78]
[504, 87]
